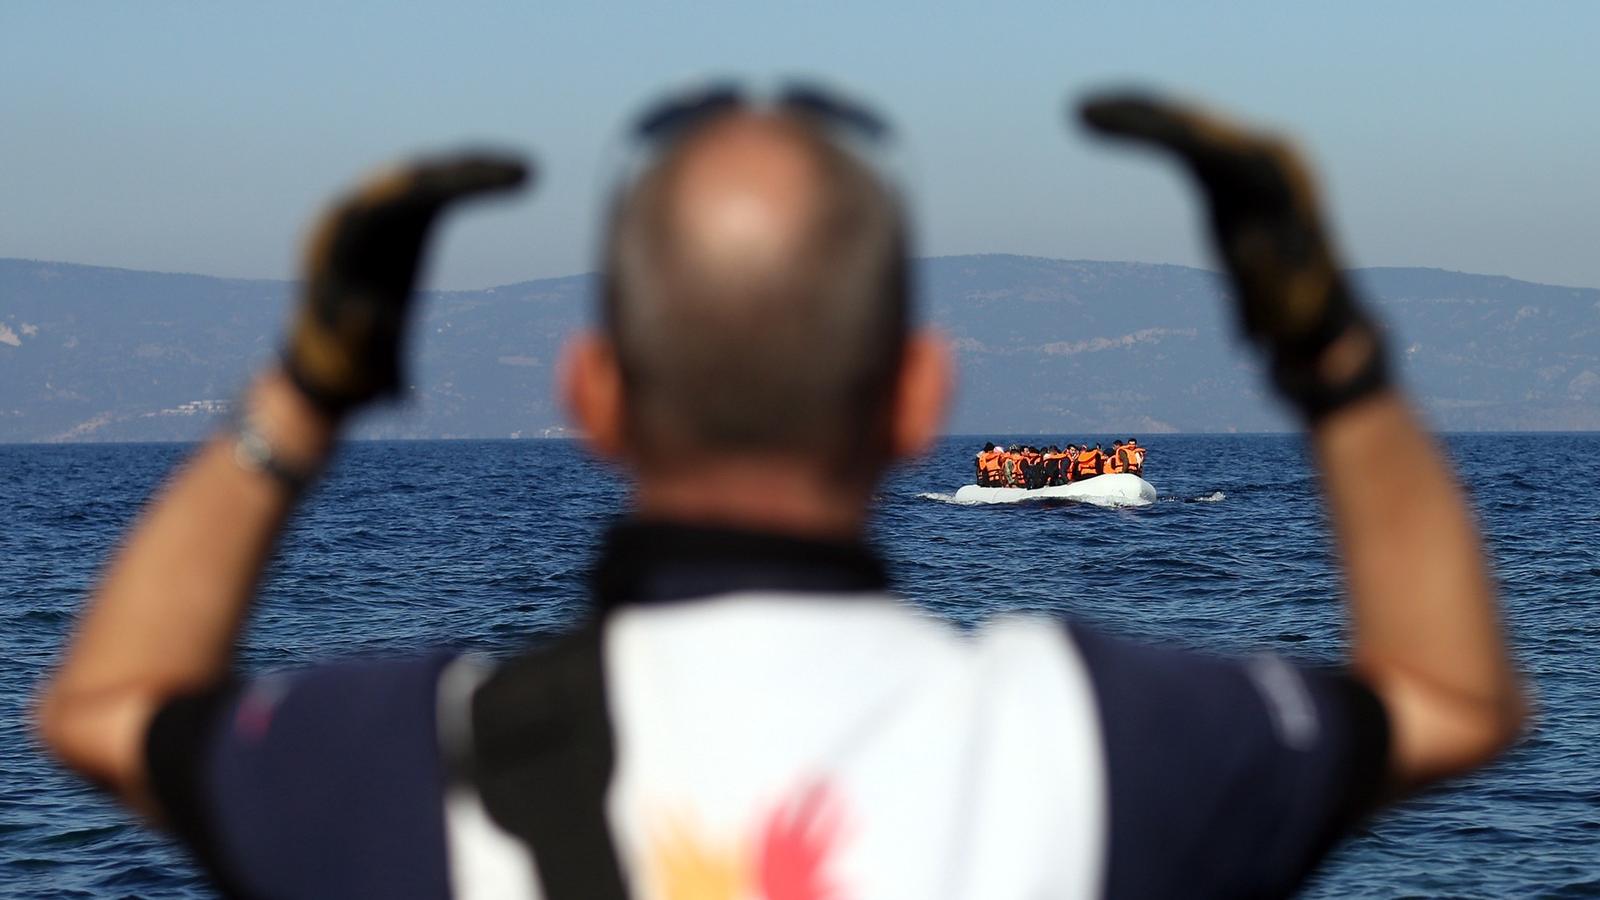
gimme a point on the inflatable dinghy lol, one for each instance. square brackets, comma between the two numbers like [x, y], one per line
[1101, 490]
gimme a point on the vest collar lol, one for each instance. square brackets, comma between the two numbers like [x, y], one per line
[646, 562]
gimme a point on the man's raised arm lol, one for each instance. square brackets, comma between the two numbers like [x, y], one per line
[1426, 634]
[164, 618]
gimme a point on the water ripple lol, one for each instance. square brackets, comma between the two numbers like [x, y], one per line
[484, 545]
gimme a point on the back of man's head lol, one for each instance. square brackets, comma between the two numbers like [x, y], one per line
[755, 290]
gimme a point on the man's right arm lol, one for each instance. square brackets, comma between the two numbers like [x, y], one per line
[1425, 630]
[1426, 633]
[163, 622]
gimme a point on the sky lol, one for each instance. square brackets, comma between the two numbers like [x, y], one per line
[203, 137]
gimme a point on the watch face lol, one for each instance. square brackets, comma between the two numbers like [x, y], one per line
[254, 453]
[252, 450]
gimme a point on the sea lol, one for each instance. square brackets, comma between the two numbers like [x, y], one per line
[485, 545]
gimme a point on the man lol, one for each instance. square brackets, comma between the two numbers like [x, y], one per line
[981, 465]
[1116, 462]
[1089, 462]
[750, 713]
[1052, 466]
[1069, 466]
[1015, 476]
[1032, 467]
[1135, 454]
[993, 477]
[993, 473]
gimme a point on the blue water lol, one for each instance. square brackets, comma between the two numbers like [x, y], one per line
[482, 544]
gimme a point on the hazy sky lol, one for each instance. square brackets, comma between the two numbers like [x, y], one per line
[200, 137]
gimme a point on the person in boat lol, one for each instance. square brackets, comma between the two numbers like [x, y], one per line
[990, 466]
[751, 709]
[982, 465]
[1032, 468]
[1052, 466]
[1089, 463]
[1115, 463]
[1069, 465]
[995, 466]
[1135, 457]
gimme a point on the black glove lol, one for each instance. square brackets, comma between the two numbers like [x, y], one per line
[344, 346]
[1326, 351]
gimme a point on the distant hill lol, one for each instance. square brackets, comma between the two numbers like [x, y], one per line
[1053, 346]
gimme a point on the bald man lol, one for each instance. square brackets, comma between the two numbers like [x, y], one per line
[750, 712]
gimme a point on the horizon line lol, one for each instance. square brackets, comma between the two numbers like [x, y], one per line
[915, 259]
[974, 435]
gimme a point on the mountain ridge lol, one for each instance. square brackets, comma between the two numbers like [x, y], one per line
[100, 353]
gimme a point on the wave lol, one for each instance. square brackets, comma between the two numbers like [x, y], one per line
[1213, 497]
[947, 498]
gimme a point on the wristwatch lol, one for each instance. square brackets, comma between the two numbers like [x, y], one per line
[254, 453]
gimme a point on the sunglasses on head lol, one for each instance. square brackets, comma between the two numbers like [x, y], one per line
[670, 119]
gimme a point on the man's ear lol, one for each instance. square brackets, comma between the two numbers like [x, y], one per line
[922, 396]
[591, 390]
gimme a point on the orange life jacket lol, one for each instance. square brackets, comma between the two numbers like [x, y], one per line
[989, 464]
[1135, 460]
[1013, 469]
[1117, 462]
[1088, 463]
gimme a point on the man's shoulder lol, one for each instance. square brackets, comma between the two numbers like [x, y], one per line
[300, 775]
[355, 701]
[1253, 763]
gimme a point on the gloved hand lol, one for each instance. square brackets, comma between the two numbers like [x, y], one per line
[344, 345]
[1326, 351]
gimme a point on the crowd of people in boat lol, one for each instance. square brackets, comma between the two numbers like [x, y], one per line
[1024, 466]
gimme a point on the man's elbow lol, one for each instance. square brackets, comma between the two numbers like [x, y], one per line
[56, 727]
[100, 738]
[1504, 724]
[1457, 735]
